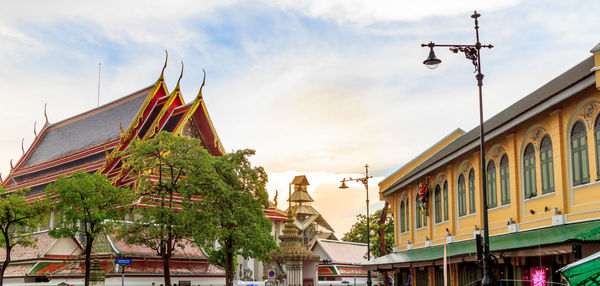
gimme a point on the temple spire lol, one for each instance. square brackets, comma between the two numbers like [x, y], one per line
[201, 86]
[162, 73]
[45, 114]
[179, 79]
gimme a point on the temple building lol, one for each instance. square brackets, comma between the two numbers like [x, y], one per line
[91, 142]
[296, 230]
[310, 222]
[543, 187]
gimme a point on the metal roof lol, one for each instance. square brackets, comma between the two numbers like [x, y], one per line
[539, 96]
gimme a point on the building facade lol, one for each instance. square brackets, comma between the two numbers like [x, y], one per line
[543, 187]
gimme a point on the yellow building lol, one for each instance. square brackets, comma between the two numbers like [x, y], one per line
[543, 182]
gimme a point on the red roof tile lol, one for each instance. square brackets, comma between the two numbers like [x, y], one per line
[189, 250]
[44, 241]
[17, 270]
[275, 214]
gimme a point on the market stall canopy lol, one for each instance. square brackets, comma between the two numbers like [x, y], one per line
[583, 272]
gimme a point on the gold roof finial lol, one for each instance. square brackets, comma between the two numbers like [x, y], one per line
[11, 165]
[180, 76]
[162, 73]
[22, 147]
[201, 86]
[1, 181]
[274, 198]
[45, 114]
[34, 128]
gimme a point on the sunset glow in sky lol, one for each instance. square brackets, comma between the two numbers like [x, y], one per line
[316, 87]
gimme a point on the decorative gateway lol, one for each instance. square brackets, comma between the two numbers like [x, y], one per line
[422, 202]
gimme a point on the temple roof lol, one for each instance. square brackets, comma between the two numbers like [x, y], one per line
[275, 214]
[189, 250]
[87, 129]
[300, 180]
[301, 195]
[43, 248]
[341, 251]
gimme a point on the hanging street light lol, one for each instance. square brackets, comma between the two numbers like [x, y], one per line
[472, 52]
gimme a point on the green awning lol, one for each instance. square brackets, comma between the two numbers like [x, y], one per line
[585, 231]
[583, 272]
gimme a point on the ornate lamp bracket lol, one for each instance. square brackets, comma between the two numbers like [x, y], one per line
[470, 53]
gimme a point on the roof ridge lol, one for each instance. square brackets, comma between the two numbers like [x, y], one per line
[342, 241]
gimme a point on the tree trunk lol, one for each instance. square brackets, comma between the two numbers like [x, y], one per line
[5, 264]
[382, 244]
[88, 259]
[166, 269]
[228, 263]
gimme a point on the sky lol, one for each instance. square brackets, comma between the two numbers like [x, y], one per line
[316, 87]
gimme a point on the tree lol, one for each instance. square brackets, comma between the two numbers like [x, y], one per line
[17, 218]
[358, 232]
[231, 212]
[169, 170]
[88, 204]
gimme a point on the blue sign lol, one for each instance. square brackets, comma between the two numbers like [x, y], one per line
[271, 273]
[123, 261]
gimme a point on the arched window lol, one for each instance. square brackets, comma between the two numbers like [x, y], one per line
[402, 218]
[504, 181]
[547, 165]
[407, 212]
[597, 143]
[438, 203]
[445, 195]
[417, 212]
[462, 196]
[472, 191]
[492, 189]
[529, 171]
[579, 154]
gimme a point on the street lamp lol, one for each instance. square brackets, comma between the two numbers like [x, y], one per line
[472, 52]
[365, 182]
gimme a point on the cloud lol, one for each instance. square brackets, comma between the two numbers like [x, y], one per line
[368, 12]
[317, 87]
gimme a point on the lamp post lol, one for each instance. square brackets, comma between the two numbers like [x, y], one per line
[472, 52]
[365, 182]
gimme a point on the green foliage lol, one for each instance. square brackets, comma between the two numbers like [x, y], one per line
[167, 167]
[18, 218]
[89, 199]
[217, 257]
[88, 204]
[231, 210]
[187, 193]
[358, 232]
[169, 171]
